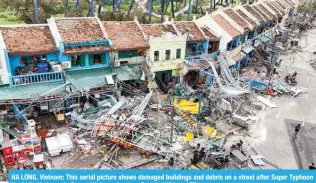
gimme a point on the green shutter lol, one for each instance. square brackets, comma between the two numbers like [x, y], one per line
[82, 60]
[123, 54]
[178, 53]
[103, 58]
[91, 62]
[133, 53]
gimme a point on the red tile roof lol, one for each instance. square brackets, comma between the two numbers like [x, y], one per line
[210, 35]
[254, 13]
[28, 40]
[273, 9]
[261, 13]
[157, 30]
[194, 33]
[125, 35]
[264, 10]
[225, 25]
[79, 30]
[236, 18]
[242, 14]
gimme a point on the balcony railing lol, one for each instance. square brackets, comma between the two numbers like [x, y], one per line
[196, 58]
[37, 78]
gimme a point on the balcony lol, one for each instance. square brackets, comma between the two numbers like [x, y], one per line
[37, 78]
[131, 60]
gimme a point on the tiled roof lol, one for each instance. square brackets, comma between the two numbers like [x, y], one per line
[236, 18]
[210, 35]
[242, 14]
[28, 40]
[273, 9]
[257, 9]
[277, 6]
[125, 35]
[225, 25]
[157, 30]
[253, 12]
[265, 11]
[280, 4]
[194, 33]
[79, 30]
[290, 3]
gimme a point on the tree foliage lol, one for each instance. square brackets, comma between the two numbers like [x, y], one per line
[25, 9]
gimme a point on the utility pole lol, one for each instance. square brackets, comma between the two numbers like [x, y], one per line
[189, 11]
[172, 9]
[91, 8]
[150, 11]
[162, 10]
[37, 21]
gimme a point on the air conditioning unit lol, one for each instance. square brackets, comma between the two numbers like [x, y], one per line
[66, 65]
[117, 64]
[57, 68]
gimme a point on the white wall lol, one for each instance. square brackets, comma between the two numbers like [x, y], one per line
[207, 21]
[167, 42]
[3, 69]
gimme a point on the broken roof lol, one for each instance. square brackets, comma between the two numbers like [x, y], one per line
[273, 9]
[28, 40]
[242, 14]
[233, 15]
[157, 30]
[208, 33]
[225, 25]
[79, 29]
[266, 12]
[254, 13]
[257, 9]
[125, 35]
[194, 33]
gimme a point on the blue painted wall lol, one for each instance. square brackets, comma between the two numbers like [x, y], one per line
[14, 61]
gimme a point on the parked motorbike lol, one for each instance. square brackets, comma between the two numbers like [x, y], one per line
[290, 79]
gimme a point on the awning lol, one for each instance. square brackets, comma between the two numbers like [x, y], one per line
[127, 72]
[247, 49]
[89, 78]
[265, 38]
[192, 66]
[30, 91]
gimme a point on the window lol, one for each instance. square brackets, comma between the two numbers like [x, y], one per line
[96, 59]
[77, 61]
[127, 54]
[178, 53]
[156, 56]
[168, 54]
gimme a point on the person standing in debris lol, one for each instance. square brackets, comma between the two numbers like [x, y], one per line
[297, 129]
[312, 167]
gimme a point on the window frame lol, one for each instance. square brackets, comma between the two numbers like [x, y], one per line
[156, 56]
[178, 53]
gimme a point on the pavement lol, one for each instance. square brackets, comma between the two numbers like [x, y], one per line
[305, 143]
[269, 136]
